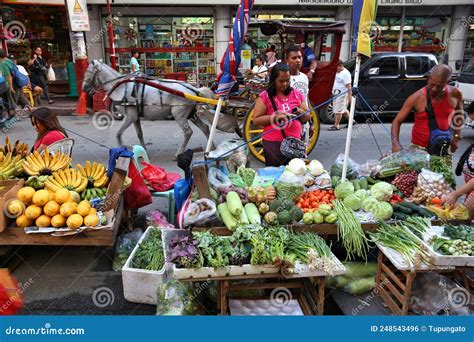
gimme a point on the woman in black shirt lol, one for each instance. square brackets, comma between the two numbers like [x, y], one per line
[38, 67]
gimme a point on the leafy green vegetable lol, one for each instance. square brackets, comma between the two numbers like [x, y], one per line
[247, 175]
[382, 211]
[150, 255]
[382, 191]
[288, 191]
[353, 202]
[443, 165]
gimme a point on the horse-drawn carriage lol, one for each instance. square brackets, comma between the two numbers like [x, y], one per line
[137, 97]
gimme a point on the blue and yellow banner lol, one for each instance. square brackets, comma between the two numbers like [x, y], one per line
[363, 17]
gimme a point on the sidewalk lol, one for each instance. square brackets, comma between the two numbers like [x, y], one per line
[63, 105]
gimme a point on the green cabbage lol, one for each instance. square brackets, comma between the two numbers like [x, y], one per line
[368, 203]
[382, 211]
[382, 191]
[361, 194]
[344, 189]
[353, 202]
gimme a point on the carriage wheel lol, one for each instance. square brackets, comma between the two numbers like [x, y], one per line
[256, 147]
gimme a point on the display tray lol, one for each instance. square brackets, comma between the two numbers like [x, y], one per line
[228, 271]
[401, 264]
[302, 270]
[139, 286]
[441, 259]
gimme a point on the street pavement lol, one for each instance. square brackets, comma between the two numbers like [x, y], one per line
[68, 280]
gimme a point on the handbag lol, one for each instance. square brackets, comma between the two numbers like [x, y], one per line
[290, 147]
[440, 140]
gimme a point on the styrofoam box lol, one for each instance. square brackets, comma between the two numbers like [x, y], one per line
[139, 286]
[302, 270]
[441, 259]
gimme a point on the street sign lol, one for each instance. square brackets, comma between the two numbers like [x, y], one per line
[78, 15]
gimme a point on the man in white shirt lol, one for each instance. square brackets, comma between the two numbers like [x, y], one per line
[259, 70]
[299, 81]
[342, 83]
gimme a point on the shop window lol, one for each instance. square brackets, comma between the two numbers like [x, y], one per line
[387, 66]
[417, 66]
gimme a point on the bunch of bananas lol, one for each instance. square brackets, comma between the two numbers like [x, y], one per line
[95, 174]
[69, 179]
[18, 149]
[36, 164]
[10, 166]
[36, 182]
[89, 194]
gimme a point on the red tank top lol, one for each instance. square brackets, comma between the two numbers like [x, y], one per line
[420, 134]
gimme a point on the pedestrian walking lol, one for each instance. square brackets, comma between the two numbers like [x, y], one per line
[39, 67]
[134, 65]
[342, 83]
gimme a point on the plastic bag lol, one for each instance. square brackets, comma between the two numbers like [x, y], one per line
[156, 218]
[352, 167]
[200, 212]
[137, 195]
[268, 175]
[125, 245]
[175, 298]
[323, 181]
[406, 160]
[234, 160]
[217, 178]
[157, 177]
[51, 75]
[369, 168]
[291, 178]
[433, 293]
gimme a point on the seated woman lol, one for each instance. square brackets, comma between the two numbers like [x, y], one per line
[49, 129]
[287, 101]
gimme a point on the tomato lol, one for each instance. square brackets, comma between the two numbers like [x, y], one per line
[314, 204]
[299, 205]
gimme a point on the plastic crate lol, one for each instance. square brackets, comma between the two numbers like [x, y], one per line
[98, 102]
[179, 76]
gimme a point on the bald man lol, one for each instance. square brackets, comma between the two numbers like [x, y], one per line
[447, 105]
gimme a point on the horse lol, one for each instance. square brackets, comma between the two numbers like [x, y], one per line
[157, 104]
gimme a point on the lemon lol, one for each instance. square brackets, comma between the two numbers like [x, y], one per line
[91, 220]
[22, 221]
[16, 208]
[25, 194]
[41, 197]
[67, 209]
[58, 221]
[51, 208]
[74, 221]
[33, 212]
[43, 221]
[62, 196]
[84, 208]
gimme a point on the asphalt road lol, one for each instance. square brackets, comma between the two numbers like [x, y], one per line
[66, 281]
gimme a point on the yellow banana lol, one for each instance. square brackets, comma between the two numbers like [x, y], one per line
[61, 178]
[39, 159]
[99, 171]
[32, 162]
[88, 168]
[101, 182]
[94, 169]
[29, 171]
[69, 176]
[83, 185]
[53, 161]
[81, 170]
[79, 179]
[46, 158]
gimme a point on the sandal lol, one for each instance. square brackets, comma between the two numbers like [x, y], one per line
[333, 128]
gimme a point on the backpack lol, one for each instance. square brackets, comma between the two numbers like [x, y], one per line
[20, 79]
[3, 84]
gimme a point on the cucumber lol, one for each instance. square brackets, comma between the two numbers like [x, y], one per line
[356, 184]
[363, 183]
[402, 209]
[425, 212]
[400, 216]
[372, 181]
[410, 205]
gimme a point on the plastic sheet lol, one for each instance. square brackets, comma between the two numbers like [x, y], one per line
[125, 245]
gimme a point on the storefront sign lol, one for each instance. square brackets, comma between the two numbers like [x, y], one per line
[246, 57]
[78, 15]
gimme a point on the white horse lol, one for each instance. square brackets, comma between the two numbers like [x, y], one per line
[157, 104]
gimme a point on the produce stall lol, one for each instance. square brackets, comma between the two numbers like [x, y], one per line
[274, 225]
[47, 201]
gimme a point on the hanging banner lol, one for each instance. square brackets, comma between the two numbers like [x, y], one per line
[78, 15]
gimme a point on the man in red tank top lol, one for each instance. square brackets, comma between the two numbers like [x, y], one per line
[447, 105]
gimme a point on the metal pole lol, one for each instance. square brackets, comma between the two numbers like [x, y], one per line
[400, 38]
[3, 38]
[214, 124]
[351, 120]
[113, 58]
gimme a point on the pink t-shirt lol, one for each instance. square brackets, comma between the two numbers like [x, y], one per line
[49, 138]
[284, 104]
